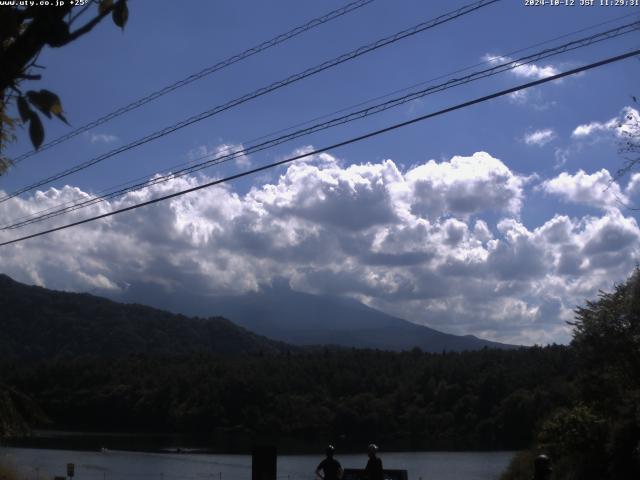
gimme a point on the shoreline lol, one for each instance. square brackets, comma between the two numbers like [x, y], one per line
[215, 444]
[126, 465]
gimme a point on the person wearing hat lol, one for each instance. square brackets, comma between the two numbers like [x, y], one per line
[329, 468]
[373, 470]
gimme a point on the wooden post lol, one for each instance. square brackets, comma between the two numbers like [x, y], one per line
[264, 463]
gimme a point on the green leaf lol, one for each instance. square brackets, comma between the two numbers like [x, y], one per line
[49, 98]
[62, 117]
[23, 109]
[104, 5]
[120, 14]
[36, 130]
[45, 101]
[56, 109]
[39, 101]
[57, 33]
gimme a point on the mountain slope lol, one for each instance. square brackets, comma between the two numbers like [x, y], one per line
[304, 319]
[37, 323]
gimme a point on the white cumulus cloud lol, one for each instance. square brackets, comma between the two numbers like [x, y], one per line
[464, 186]
[621, 125]
[540, 137]
[102, 138]
[523, 70]
[223, 152]
[597, 189]
[439, 244]
[527, 71]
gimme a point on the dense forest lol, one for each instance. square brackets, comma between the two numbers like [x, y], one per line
[485, 399]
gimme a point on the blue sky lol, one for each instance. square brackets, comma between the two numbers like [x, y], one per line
[503, 207]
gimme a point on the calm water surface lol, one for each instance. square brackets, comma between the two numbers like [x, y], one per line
[41, 464]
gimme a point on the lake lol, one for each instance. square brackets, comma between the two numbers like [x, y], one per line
[42, 464]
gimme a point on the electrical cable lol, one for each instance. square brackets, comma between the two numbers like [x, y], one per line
[221, 158]
[199, 75]
[333, 146]
[262, 91]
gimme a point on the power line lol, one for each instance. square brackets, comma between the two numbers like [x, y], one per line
[454, 82]
[335, 145]
[262, 91]
[199, 75]
[424, 82]
[71, 206]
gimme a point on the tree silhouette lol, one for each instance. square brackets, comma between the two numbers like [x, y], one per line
[629, 144]
[24, 32]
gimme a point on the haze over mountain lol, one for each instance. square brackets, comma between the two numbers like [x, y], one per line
[40, 323]
[37, 323]
[280, 313]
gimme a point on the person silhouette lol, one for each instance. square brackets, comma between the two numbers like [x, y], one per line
[329, 468]
[542, 468]
[373, 470]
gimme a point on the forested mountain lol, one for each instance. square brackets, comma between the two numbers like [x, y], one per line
[41, 323]
[281, 313]
[37, 323]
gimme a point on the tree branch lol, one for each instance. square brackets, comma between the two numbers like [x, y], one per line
[77, 15]
[27, 76]
[87, 27]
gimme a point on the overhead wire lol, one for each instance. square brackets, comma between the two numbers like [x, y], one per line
[221, 158]
[423, 26]
[350, 7]
[359, 104]
[343, 143]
